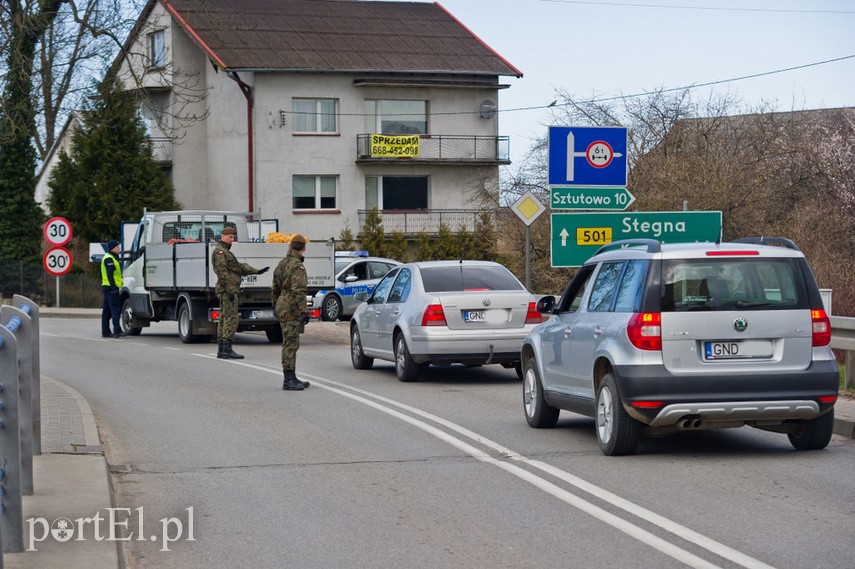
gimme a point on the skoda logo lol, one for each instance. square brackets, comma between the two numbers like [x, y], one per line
[486, 302]
[740, 324]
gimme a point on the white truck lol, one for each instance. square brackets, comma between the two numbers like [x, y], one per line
[168, 273]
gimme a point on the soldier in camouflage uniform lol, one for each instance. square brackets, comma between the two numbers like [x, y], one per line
[229, 271]
[288, 293]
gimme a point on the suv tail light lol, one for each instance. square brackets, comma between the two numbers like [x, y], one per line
[645, 330]
[434, 316]
[821, 328]
[533, 316]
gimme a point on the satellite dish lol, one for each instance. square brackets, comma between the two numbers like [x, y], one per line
[488, 109]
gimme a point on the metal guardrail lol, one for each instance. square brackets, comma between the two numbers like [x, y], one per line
[843, 338]
[20, 415]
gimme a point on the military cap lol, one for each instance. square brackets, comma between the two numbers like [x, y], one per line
[298, 241]
[228, 231]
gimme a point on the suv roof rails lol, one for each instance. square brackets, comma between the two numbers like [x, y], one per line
[780, 241]
[653, 246]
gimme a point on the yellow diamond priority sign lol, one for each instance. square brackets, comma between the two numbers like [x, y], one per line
[528, 208]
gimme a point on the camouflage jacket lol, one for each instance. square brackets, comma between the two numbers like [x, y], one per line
[289, 288]
[228, 269]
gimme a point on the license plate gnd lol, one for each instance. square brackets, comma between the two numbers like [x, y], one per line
[474, 315]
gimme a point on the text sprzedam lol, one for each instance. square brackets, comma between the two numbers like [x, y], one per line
[65, 529]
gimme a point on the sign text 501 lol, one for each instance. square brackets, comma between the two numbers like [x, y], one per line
[593, 235]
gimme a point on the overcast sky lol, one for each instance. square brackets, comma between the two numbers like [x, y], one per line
[612, 48]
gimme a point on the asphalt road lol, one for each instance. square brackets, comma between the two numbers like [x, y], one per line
[363, 471]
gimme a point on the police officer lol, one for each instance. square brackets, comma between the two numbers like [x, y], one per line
[229, 271]
[289, 291]
[111, 288]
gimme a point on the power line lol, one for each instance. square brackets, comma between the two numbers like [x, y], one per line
[616, 97]
[694, 85]
[712, 8]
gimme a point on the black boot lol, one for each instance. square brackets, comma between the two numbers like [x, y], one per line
[219, 349]
[291, 383]
[305, 383]
[229, 353]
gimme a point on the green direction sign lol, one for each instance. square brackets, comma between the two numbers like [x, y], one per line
[590, 198]
[577, 236]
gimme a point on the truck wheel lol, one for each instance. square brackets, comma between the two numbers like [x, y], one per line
[274, 335]
[331, 308]
[125, 320]
[185, 327]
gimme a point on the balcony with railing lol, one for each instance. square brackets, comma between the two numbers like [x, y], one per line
[443, 149]
[413, 222]
[161, 149]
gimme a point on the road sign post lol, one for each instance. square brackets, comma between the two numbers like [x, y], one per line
[528, 208]
[577, 236]
[57, 260]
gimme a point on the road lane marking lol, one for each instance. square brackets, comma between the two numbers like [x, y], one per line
[382, 404]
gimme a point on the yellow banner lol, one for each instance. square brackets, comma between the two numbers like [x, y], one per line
[389, 145]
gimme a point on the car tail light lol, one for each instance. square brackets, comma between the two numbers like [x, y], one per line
[315, 313]
[821, 327]
[215, 315]
[828, 399]
[434, 316]
[645, 330]
[533, 316]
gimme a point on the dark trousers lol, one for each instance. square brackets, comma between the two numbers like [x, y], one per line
[111, 309]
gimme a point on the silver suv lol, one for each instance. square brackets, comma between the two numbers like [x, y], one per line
[651, 339]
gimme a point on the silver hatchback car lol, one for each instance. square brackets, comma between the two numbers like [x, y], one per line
[654, 339]
[443, 312]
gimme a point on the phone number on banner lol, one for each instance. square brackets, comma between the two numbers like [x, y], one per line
[382, 145]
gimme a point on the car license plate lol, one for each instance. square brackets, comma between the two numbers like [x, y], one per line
[473, 315]
[737, 350]
[260, 314]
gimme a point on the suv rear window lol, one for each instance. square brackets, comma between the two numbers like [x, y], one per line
[468, 278]
[732, 284]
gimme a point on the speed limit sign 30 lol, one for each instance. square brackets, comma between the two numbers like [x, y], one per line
[57, 261]
[57, 231]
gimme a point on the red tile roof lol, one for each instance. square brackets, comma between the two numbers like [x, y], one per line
[336, 35]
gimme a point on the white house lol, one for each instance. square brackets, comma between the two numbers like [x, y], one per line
[270, 106]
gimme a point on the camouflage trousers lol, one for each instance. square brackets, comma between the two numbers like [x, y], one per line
[228, 322]
[290, 343]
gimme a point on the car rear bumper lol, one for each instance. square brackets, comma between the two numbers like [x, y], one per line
[483, 346]
[745, 398]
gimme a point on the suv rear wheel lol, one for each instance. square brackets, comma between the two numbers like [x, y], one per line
[617, 432]
[814, 434]
[538, 412]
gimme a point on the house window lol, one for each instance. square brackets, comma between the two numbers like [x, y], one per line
[396, 192]
[314, 192]
[157, 48]
[390, 116]
[314, 115]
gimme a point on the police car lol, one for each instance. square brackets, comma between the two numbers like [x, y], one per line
[355, 272]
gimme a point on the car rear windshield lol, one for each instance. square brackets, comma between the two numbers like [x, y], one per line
[461, 278]
[732, 284]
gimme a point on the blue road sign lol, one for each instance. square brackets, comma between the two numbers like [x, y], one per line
[587, 156]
